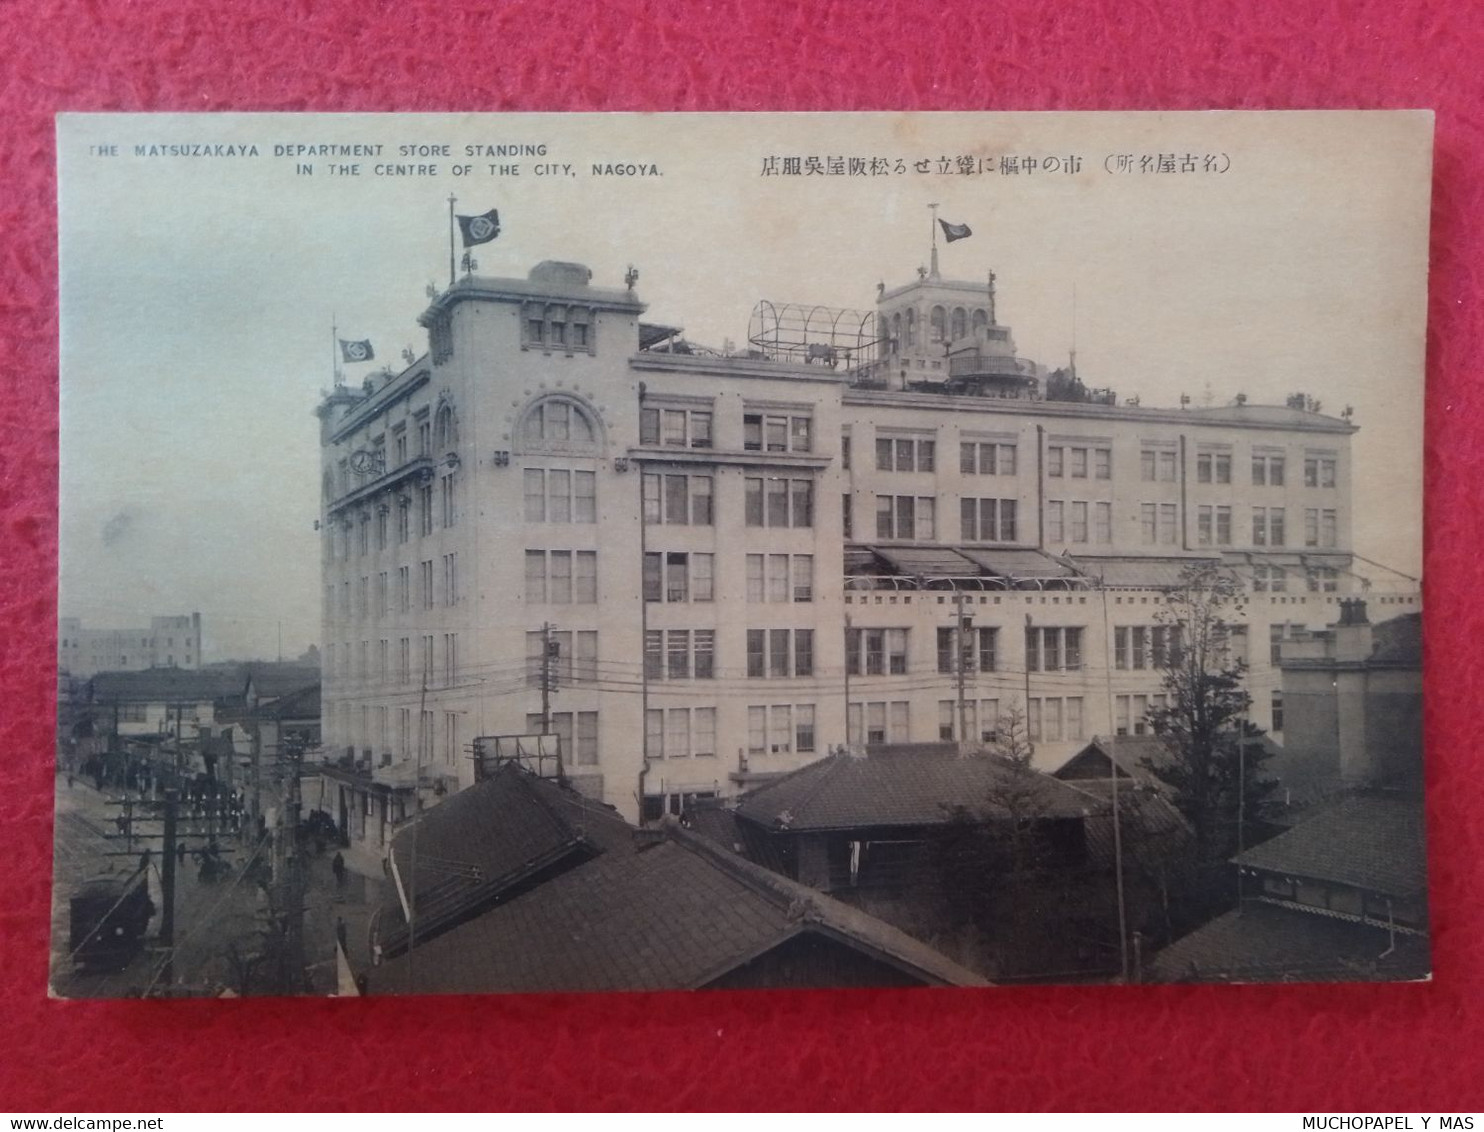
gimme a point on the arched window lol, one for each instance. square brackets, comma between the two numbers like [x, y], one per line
[911, 327]
[560, 422]
[935, 325]
[896, 332]
[445, 429]
[329, 485]
[959, 325]
[981, 320]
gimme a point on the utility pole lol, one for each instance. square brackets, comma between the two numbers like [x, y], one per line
[1029, 742]
[293, 891]
[549, 649]
[257, 782]
[961, 625]
[847, 679]
[167, 888]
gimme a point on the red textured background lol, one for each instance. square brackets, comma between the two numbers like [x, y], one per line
[1354, 1048]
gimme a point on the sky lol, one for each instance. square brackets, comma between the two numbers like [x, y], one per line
[198, 292]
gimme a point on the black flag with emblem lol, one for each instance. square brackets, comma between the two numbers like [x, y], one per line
[359, 351]
[480, 229]
[953, 232]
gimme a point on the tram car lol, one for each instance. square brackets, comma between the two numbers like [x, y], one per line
[109, 916]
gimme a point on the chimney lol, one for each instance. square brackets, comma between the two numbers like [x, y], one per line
[1353, 639]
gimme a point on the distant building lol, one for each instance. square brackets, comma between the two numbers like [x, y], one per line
[721, 563]
[1351, 702]
[1340, 897]
[169, 642]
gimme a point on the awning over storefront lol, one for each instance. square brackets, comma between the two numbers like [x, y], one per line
[927, 561]
[1013, 563]
[1138, 573]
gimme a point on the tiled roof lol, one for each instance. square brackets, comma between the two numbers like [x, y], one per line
[271, 681]
[915, 788]
[1266, 943]
[303, 704]
[1398, 641]
[680, 915]
[152, 685]
[1128, 751]
[1368, 841]
[480, 843]
[1152, 831]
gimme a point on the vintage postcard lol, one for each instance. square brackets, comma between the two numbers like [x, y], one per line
[625, 552]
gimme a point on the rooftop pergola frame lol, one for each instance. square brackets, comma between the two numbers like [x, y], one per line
[809, 334]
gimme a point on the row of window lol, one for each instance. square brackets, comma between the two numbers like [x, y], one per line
[557, 326]
[377, 736]
[559, 495]
[384, 666]
[561, 577]
[394, 591]
[1067, 521]
[577, 731]
[1145, 646]
[359, 536]
[680, 654]
[1075, 462]
[559, 658]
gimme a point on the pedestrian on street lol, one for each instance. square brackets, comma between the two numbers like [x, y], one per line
[337, 865]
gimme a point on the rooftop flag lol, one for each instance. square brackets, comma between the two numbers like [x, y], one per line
[359, 351]
[480, 229]
[953, 232]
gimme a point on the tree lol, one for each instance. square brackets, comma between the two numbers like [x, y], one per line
[1214, 764]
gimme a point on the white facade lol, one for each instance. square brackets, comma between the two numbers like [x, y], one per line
[551, 463]
[169, 642]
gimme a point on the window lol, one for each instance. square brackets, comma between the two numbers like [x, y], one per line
[1213, 467]
[572, 659]
[451, 579]
[404, 520]
[1158, 523]
[680, 733]
[1324, 579]
[876, 652]
[404, 589]
[1269, 579]
[1277, 709]
[980, 649]
[677, 499]
[1052, 719]
[1062, 460]
[557, 495]
[561, 577]
[1130, 713]
[1321, 526]
[450, 658]
[678, 576]
[780, 577]
[767, 432]
[1145, 646]
[1053, 649]
[381, 526]
[987, 520]
[425, 577]
[780, 652]
[680, 654]
[1102, 522]
[905, 454]
[1213, 525]
[906, 517]
[425, 509]
[675, 428]
[780, 728]
[404, 660]
[847, 526]
[986, 459]
[878, 722]
[1267, 526]
[774, 501]
[1158, 465]
[560, 422]
[579, 744]
[1267, 469]
[1320, 471]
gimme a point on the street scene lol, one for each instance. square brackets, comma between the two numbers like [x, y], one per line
[975, 556]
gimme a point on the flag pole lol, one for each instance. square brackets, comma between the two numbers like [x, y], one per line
[451, 226]
[335, 349]
[933, 227]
